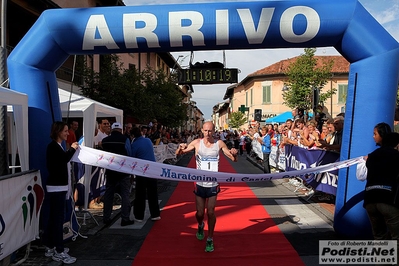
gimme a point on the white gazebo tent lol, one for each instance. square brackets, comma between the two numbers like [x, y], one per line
[74, 105]
[17, 104]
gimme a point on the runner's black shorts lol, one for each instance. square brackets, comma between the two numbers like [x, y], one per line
[206, 192]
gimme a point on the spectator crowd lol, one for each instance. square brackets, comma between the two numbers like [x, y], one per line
[318, 132]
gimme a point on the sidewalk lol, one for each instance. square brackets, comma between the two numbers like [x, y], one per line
[296, 217]
[327, 202]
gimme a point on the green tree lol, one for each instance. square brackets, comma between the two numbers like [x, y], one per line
[303, 77]
[146, 95]
[237, 119]
[164, 100]
[112, 85]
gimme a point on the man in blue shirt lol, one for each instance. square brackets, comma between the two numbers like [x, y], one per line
[266, 148]
[142, 149]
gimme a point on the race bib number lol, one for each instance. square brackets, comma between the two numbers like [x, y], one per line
[208, 164]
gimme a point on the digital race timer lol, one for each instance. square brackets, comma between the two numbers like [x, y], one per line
[208, 75]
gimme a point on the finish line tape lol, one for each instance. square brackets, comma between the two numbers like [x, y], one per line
[134, 166]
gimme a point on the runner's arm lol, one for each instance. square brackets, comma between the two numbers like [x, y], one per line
[231, 154]
[184, 148]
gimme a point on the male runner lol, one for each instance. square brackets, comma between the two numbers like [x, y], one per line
[207, 158]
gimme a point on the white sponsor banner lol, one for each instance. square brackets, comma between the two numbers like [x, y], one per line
[277, 158]
[140, 167]
[165, 152]
[359, 252]
[257, 148]
[21, 198]
[170, 152]
[160, 153]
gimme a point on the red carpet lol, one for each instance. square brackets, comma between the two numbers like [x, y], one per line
[244, 234]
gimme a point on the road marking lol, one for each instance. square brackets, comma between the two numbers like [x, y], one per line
[299, 211]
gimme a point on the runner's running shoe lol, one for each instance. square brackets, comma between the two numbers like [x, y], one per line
[49, 252]
[209, 246]
[64, 257]
[200, 232]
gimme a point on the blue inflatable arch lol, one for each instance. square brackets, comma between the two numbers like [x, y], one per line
[343, 24]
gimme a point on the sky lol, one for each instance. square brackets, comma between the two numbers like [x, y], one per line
[386, 12]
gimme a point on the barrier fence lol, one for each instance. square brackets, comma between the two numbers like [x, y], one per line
[21, 198]
[291, 158]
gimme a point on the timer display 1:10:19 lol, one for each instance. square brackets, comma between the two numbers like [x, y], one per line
[208, 75]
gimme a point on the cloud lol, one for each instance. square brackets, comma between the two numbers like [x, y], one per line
[393, 29]
[389, 15]
[386, 12]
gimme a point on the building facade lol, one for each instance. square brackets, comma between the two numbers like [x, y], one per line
[264, 88]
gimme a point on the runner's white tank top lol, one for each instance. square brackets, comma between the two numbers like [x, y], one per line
[208, 159]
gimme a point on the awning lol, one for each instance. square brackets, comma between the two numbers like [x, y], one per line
[89, 110]
[19, 102]
[281, 118]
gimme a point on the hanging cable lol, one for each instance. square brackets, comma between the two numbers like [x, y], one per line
[70, 92]
[224, 58]
[191, 59]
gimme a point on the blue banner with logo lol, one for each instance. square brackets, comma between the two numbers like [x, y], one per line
[298, 159]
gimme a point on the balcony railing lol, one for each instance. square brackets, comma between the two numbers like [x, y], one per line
[65, 73]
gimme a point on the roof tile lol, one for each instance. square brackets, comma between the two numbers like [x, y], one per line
[340, 65]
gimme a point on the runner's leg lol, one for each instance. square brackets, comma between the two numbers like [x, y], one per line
[200, 206]
[210, 211]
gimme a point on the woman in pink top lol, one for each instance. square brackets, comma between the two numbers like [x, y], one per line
[313, 137]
